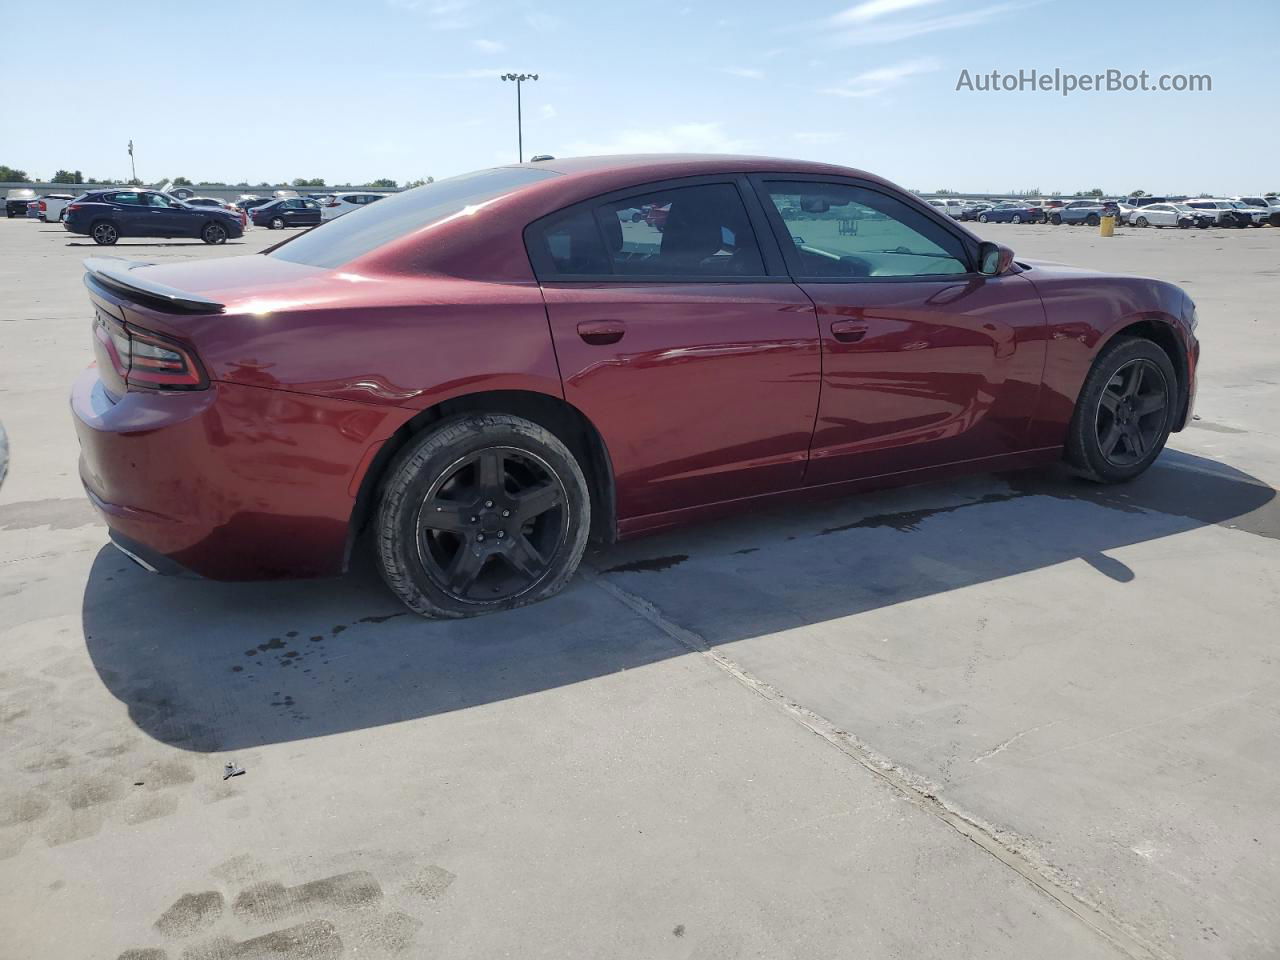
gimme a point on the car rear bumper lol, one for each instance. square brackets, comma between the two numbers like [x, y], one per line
[231, 483]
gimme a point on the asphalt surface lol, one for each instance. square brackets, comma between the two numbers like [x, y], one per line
[1010, 716]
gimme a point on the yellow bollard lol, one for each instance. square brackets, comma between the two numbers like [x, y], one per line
[1107, 227]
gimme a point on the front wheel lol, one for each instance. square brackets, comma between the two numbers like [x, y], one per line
[1124, 413]
[983, 218]
[483, 513]
[214, 233]
[104, 234]
[277, 223]
[1056, 219]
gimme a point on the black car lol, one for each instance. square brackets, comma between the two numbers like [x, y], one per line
[15, 202]
[290, 212]
[108, 215]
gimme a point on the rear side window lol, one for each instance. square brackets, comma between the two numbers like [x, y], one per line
[344, 239]
[690, 233]
[129, 199]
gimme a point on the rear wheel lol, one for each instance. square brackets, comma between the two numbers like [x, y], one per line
[103, 233]
[1124, 413]
[214, 233]
[1092, 220]
[1142, 222]
[483, 513]
[1017, 218]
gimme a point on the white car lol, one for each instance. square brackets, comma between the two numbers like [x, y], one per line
[1225, 213]
[1163, 215]
[951, 208]
[53, 205]
[341, 203]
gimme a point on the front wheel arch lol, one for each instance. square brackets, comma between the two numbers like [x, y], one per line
[569, 424]
[1163, 334]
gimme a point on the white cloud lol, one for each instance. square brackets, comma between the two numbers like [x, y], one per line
[817, 136]
[678, 138]
[906, 29]
[885, 78]
[548, 111]
[745, 72]
[488, 46]
[543, 22]
[876, 8]
[477, 74]
[442, 14]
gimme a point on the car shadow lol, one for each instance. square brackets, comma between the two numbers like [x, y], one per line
[132, 245]
[214, 666]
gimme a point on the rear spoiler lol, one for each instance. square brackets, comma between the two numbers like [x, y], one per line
[115, 274]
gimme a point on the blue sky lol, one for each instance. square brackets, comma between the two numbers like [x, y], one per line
[276, 89]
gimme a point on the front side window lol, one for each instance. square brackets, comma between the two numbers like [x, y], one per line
[155, 200]
[700, 232]
[843, 231]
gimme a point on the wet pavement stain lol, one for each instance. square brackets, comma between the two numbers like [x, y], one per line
[651, 565]
[56, 514]
[269, 902]
[191, 913]
[908, 521]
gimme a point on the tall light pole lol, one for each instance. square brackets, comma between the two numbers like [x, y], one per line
[519, 78]
[132, 168]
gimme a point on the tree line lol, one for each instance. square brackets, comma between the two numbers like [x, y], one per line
[13, 174]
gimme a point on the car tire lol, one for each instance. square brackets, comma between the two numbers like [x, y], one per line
[213, 233]
[277, 223]
[982, 218]
[475, 553]
[1016, 218]
[1124, 412]
[1092, 220]
[1056, 219]
[104, 233]
[62, 216]
[1184, 224]
[1142, 222]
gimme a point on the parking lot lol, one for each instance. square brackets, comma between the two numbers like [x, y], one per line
[1009, 716]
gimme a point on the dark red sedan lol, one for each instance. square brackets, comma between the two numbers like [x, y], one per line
[489, 369]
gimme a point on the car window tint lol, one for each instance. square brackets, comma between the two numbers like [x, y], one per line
[359, 232]
[846, 231]
[682, 232]
[154, 200]
[131, 199]
[571, 245]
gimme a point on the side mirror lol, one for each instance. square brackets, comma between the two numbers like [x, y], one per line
[994, 259]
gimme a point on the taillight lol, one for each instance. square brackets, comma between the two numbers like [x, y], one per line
[147, 360]
[43, 206]
[72, 206]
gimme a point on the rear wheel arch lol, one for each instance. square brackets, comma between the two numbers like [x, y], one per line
[563, 419]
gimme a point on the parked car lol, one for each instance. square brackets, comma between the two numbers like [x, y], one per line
[16, 200]
[1046, 206]
[479, 473]
[294, 212]
[1258, 216]
[1224, 212]
[33, 210]
[108, 215]
[249, 203]
[50, 207]
[1016, 211]
[341, 203]
[1090, 212]
[950, 208]
[1170, 215]
[1271, 206]
[972, 208]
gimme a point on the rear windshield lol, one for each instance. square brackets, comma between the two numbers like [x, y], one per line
[373, 225]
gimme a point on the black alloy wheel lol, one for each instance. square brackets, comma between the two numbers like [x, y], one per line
[491, 523]
[1131, 411]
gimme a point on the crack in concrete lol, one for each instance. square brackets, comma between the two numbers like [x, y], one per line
[1010, 849]
[1002, 747]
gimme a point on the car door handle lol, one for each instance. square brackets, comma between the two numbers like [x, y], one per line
[848, 331]
[601, 332]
